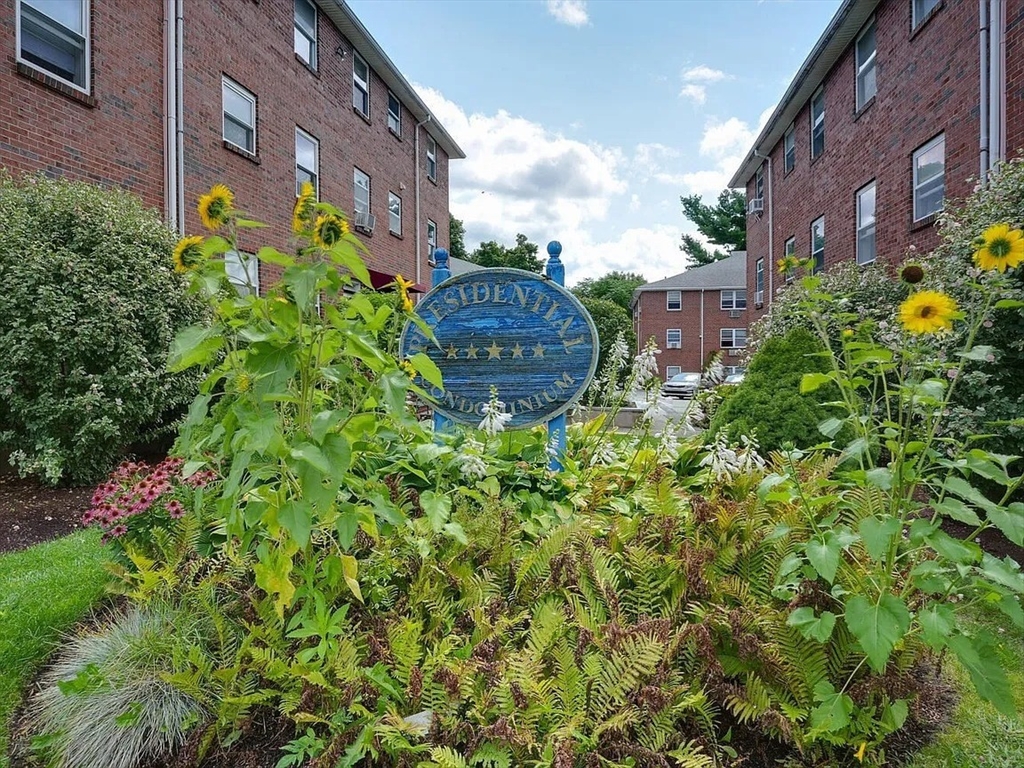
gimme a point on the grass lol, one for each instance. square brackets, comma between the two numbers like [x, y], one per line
[980, 737]
[44, 590]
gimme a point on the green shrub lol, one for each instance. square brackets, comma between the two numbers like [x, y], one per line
[90, 307]
[611, 320]
[768, 403]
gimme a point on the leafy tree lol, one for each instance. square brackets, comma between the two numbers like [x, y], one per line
[724, 223]
[523, 255]
[456, 238]
[611, 320]
[615, 286]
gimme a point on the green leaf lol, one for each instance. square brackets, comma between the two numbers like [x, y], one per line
[1009, 520]
[195, 345]
[979, 352]
[343, 254]
[301, 281]
[880, 477]
[1009, 304]
[833, 714]
[350, 568]
[980, 658]
[953, 549]
[823, 553]
[877, 626]
[270, 255]
[895, 715]
[937, 623]
[1006, 572]
[296, 517]
[830, 427]
[428, 369]
[338, 452]
[323, 423]
[877, 534]
[457, 532]
[312, 455]
[967, 492]
[811, 626]
[437, 508]
[811, 382]
[956, 509]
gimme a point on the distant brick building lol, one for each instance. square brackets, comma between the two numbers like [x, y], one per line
[693, 314]
[901, 104]
[167, 98]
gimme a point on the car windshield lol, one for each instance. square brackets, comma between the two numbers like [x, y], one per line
[681, 378]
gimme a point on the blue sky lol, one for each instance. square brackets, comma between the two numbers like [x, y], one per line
[585, 120]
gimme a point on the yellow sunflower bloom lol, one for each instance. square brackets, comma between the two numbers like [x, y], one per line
[216, 207]
[1000, 248]
[788, 264]
[861, 751]
[403, 286]
[928, 312]
[188, 254]
[409, 369]
[329, 229]
[303, 210]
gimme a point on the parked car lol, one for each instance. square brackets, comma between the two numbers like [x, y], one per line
[735, 378]
[682, 385]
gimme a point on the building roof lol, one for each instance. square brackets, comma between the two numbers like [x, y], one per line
[841, 31]
[461, 266]
[728, 273]
[339, 12]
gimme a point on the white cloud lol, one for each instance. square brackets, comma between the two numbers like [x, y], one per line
[571, 12]
[652, 251]
[634, 202]
[725, 143]
[704, 74]
[696, 93]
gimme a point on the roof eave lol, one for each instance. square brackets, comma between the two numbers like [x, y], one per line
[339, 12]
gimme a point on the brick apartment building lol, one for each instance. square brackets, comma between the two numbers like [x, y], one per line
[901, 104]
[693, 314]
[166, 99]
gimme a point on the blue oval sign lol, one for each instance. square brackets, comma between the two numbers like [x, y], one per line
[511, 329]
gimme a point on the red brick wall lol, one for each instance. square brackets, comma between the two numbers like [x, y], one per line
[1014, 77]
[927, 84]
[654, 318]
[114, 136]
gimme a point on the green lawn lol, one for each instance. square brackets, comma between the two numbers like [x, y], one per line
[44, 590]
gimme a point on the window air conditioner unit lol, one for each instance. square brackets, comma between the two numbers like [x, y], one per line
[735, 352]
[755, 206]
[365, 222]
[759, 298]
[735, 314]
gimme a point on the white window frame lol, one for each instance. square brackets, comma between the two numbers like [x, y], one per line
[672, 370]
[866, 229]
[759, 282]
[866, 68]
[243, 271]
[730, 334]
[394, 220]
[820, 93]
[363, 86]
[71, 39]
[669, 344]
[228, 84]
[759, 182]
[315, 171]
[431, 237]
[359, 176]
[789, 149]
[735, 294]
[431, 158]
[789, 249]
[310, 35]
[669, 302]
[394, 118]
[940, 139]
[815, 266]
[919, 12]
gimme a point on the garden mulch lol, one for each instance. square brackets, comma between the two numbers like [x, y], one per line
[31, 513]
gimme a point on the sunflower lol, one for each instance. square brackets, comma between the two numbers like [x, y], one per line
[409, 369]
[788, 264]
[403, 290]
[329, 229]
[216, 206]
[1000, 248]
[188, 254]
[303, 210]
[928, 312]
[912, 274]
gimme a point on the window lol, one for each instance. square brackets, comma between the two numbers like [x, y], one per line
[818, 124]
[239, 116]
[394, 114]
[307, 161]
[734, 299]
[672, 370]
[789, 149]
[818, 243]
[431, 158]
[673, 300]
[673, 338]
[929, 168]
[789, 249]
[53, 36]
[243, 272]
[305, 31]
[866, 83]
[360, 85]
[922, 8]
[394, 213]
[734, 338]
[431, 238]
[759, 182]
[361, 188]
[759, 282]
[866, 224]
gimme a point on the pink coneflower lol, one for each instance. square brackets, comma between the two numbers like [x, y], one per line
[175, 509]
[118, 531]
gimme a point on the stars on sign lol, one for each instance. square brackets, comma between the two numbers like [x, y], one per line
[495, 352]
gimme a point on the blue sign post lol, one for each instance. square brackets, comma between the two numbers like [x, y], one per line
[514, 330]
